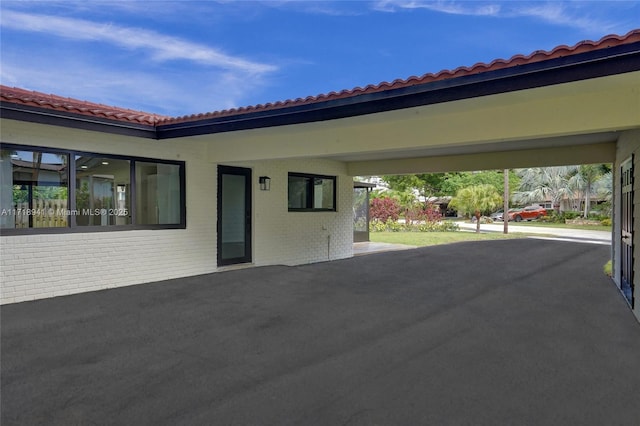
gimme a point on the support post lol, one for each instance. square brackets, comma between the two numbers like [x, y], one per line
[505, 210]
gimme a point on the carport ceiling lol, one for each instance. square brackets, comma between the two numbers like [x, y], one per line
[571, 123]
[518, 145]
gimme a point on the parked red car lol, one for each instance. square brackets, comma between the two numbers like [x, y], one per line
[527, 213]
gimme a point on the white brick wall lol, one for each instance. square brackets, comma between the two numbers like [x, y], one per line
[47, 265]
[54, 265]
[292, 238]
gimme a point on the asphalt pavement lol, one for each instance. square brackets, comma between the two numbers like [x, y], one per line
[507, 332]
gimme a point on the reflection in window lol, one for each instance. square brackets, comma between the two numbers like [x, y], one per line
[34, 192]
[311, 192]
[298, 192]
[360, 209]
[157, 193]
[323, 193]
[51, 188]
[102, 191]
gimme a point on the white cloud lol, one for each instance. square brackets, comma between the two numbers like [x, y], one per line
[449, 7]
[562, 14]
[162, 47]
[141, 90]
[557, 13]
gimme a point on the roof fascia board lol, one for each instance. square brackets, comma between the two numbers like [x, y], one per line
[599, 63]
[33, 114]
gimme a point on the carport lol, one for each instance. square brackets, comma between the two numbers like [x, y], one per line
[398, 338]
[572, 105]
[409, 337]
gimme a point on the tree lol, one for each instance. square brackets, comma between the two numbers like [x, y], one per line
[426, 185]
[584, 178]
[406, 200]
[542, 183]
[476, 200]
[604, 190]
[456, 181]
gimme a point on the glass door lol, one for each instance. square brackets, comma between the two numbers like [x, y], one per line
[234, 215]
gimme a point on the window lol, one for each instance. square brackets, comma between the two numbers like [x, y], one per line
[34, 192]
[158, 193]
[66, 191]
[103, 187]
[311, 192]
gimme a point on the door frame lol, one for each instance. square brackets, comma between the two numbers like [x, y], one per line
[362, 236]
[626, 262]
[248, 228]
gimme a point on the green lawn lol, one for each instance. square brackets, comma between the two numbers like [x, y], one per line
[421, 239]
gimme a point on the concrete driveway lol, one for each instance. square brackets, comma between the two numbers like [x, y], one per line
[525, 332]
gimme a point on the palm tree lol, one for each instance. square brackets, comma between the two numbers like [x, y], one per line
[604, 189]
[542, 183]
[476, 200]
[585, 177]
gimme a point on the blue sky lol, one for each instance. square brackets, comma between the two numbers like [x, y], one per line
[184, 57]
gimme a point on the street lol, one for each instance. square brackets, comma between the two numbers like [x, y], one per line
[579, 235]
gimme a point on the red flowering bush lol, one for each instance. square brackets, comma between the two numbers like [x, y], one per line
[384, 209]
[384, 214]
[423, 214]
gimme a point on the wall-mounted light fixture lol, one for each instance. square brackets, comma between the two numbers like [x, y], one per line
[265, 183]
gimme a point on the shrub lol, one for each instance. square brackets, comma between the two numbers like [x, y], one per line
[444, 226]
[423, 214]
[377, 226]
[392, 226]
[554, 217]
[605, 222]
[384, 209]
[550, 218]
[569, 215]
[388, 226]
[599, 216]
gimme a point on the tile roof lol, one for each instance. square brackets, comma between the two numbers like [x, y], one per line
[537, 56]
[59, 103]
[20, 96]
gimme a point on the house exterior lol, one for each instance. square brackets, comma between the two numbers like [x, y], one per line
[96, 197]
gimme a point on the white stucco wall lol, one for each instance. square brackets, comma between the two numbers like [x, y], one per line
[628, 144]
[45, 265]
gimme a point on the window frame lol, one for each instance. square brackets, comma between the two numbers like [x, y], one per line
[72, 226]
[311, 195]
